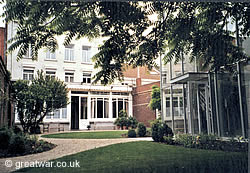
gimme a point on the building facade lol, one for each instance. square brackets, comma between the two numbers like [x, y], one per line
[200, 101]
[90, 104]
[94, 105]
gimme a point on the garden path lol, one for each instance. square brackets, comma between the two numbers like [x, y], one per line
[64, 147]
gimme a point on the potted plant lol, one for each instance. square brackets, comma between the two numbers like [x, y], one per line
[89, 127]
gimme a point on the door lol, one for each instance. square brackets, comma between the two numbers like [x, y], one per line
[84, 113]
[74, 112]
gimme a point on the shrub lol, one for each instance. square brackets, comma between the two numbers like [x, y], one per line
[168, 140]
[5, 137]
[132, 122]
[131, 133]
[186, 140]
[17, 129]
[124, 121]
[149, 132]
[159, 130]
[17, 144]
[141, 130]
[35, 130]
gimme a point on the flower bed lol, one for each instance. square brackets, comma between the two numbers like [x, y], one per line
[18, 144]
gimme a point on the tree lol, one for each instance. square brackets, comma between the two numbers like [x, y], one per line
[155, 102]
[35, 99]
[193, 28]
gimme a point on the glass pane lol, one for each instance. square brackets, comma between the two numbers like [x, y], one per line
[100, 108]
[56, 114]
[88, 80]
[120, 105]
[84, 108]
[114, 108]
[106, 108]
[64, 112]
[71, 79]
[93, 108]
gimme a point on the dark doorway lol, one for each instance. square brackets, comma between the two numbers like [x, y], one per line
[75, 112]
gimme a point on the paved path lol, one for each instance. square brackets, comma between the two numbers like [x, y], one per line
[64, 147]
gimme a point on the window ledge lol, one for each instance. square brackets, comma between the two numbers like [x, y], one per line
[87, 63]
[55, 60]
[69, 61]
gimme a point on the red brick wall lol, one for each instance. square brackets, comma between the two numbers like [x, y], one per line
[144, 73]
[141, 99]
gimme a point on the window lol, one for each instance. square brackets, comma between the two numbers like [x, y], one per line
[28, 53]
[164, 77]
[52, 74]
[119, 104]
[50, 55]
[99, 107]
[28, 74]
[58, 114]
[69, 53]
[86, 54]
[86, 78]
[69, 77]
[84, 108]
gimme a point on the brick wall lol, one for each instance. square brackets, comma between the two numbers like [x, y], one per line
[141, 99]
[144, 73]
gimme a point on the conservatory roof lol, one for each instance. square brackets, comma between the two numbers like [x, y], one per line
[190, 76]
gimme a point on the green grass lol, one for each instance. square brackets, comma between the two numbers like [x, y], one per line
[151, 157]
[88, 135]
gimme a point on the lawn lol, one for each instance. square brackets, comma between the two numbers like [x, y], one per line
[151, 157]
[88, 135]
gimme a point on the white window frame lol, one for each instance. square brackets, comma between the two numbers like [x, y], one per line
[60, 112]
[86, 54]
[86, 78]
[69, 76]
[28, 53]
[50, 55]
[29, 73]
[69, 53]
[50, 73]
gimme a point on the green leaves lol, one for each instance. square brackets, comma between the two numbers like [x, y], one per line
[196, 29]
[37, 98]
[155, 102]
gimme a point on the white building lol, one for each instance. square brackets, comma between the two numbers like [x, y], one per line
[97, 105]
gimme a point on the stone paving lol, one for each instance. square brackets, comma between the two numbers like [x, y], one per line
[64, 147]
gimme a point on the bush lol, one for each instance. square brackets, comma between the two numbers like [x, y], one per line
[141, 130]
[186, 140]
[132, 122]
[131, 133]
[5, 137]
[17, 130]
[17, 144]
[159, 130]
[168, 140]
[35, 130]
[124, 121]
[149, 132]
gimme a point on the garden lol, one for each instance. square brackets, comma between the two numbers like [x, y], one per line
[148, 157]
[16, 143]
